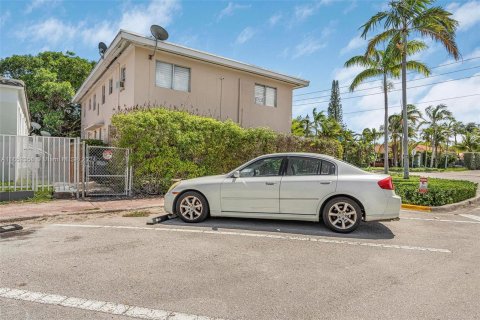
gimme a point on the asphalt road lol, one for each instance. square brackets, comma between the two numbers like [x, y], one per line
[425, 266]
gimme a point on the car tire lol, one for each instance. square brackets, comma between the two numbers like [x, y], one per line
[342, 215]
[192, 207]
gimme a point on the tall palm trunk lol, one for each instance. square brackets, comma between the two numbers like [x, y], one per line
[385, 125]
[404, 103]
[433, 150]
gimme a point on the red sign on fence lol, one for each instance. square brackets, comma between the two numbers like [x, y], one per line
[423, 188]
[107, 154]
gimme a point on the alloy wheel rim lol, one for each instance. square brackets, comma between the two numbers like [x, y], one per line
[191, 207]
[342, 215]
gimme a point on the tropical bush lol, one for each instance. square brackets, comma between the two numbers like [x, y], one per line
[169, 144]
[440, 191]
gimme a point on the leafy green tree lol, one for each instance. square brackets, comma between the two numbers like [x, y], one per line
[335, 105]
[470, 142]
[51, 79]
[387, 64]
[436, 116]
[403, 20]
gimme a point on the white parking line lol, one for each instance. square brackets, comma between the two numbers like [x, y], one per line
[98, 306]
[263, 235]
[470, 216]
[440, 220]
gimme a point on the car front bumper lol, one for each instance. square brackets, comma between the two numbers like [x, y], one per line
[169, 199]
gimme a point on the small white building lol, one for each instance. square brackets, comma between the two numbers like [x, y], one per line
[14, 116]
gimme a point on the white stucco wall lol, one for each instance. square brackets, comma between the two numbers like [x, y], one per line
[13, 119]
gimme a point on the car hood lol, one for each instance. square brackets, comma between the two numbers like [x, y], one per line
[203, 180]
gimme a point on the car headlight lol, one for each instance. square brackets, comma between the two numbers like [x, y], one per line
[173, 186]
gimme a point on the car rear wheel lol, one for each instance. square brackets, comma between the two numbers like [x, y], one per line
[192, 207]
[342, 215]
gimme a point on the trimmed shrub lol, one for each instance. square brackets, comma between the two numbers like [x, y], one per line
[469, 159]
[477, 161]
[440, 191]
[170, 145]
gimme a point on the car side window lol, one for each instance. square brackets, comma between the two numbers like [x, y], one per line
[263, 168]
[328, 168]
[298, 166]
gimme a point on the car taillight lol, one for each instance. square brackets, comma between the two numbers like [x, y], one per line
[386, 183]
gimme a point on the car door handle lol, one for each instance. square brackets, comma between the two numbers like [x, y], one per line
[325, 182]
[269, 183]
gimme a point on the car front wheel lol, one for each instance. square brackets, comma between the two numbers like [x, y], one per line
[192, 207]
[342, 215]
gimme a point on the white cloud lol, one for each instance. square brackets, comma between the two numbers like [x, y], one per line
[34, 4]
[230, 9]
[137, 19]
[51, 31]
[273, 20]
[245, 35]
[353, 4]
[4, 17]
[304, 11]
[467, 14]
[307, 47]
[355, 43]
[140, 18]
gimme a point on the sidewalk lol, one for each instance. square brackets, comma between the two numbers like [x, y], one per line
[23, 211]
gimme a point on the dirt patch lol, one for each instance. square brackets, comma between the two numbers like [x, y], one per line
[134, 214]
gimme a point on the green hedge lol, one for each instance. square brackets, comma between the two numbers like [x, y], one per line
[440, 191]
[170, 145]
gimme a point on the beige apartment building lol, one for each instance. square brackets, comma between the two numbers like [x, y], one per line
[185, 79]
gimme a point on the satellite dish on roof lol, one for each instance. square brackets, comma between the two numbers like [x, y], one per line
[102, 48]
[158, 33]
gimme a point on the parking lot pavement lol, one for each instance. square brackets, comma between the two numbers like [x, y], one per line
[424, 266]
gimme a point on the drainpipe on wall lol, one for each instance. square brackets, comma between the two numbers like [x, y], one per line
[238, 102]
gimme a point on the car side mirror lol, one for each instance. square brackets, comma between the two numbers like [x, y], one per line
[236, 174]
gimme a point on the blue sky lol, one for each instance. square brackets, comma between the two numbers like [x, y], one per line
[310, 39]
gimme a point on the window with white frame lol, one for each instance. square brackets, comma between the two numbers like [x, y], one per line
[110, 86]
[265, 95]
[123, 77]
[94, 101]
[171, 76]
[90, 104]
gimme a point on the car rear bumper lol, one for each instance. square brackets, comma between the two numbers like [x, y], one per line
[168, 202]
[391, 212]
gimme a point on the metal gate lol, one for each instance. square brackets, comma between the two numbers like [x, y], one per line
[32, 163]
[106, 171]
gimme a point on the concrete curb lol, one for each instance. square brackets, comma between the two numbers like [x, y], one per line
[25, 218]
[416, 208]
[459, 205]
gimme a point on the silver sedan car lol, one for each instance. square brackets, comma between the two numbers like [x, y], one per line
[289, 186]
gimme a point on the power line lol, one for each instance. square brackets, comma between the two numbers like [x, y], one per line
[378, 93]
[439, 66]
[399, 82]
[424, 102]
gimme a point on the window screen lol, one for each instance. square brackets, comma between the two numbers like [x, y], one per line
[259, 94]
[164, 75]
[171, 76]
[266, 96]
[181, 78]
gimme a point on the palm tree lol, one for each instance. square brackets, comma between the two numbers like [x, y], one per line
[395, 129]
[298, 127]
[435, 116]
[318, 118]
[387, 64]
[330, 128]
[470, 143]
[411, 18]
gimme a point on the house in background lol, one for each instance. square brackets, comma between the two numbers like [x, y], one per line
[185, 79]
[14, 115]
